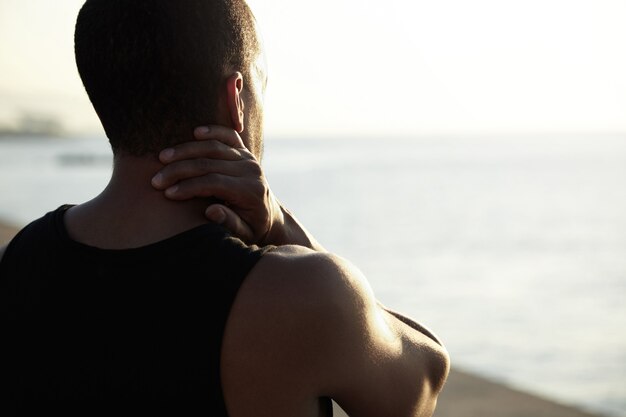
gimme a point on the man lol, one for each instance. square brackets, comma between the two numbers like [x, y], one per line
[134, 302]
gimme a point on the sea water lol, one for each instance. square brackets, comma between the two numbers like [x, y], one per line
[512, 249]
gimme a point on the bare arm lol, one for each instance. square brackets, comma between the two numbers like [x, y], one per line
[328, 337]
[409, 358]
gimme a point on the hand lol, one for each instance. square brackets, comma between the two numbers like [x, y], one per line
[218, 165]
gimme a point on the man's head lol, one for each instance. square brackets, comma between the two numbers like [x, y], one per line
[156, 69]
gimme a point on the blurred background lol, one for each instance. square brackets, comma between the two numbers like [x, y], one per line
[469, 157]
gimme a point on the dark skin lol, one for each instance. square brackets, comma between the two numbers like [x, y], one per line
[219, 165]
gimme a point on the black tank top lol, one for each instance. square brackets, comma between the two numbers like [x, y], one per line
[116, 332]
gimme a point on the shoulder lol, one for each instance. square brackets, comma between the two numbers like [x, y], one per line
[285, 260]
[291, 309]
[292, 273]
[301, 283]
[317, 330]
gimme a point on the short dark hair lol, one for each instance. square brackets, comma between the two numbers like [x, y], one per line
[153, 68]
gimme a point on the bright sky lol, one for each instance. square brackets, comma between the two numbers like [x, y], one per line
[359, 67]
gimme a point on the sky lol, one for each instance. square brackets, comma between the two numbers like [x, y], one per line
[359, 67]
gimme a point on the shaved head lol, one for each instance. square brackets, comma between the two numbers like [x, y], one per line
[153, 69]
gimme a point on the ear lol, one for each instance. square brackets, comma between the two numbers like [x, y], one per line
[234, 87]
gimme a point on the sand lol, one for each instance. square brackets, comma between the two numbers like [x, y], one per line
[465, 394]
[6, 233]
[468, 395]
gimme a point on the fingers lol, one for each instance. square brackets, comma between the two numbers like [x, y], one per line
[215, 142]
[226, 188]
[224, 134]
[221, 214]
[187, 169]
[213, 149]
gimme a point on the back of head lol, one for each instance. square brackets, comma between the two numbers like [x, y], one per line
[153, 69]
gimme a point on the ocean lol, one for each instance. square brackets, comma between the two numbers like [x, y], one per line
[511, 248]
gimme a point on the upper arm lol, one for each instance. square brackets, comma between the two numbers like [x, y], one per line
[319, 332]
[2, 249]
[380, 365]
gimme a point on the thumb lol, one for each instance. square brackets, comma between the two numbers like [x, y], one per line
[223, 215]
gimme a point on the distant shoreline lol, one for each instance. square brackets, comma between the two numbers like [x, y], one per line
[10, 134]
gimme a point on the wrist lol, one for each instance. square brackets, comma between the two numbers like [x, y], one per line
[286, 230]
[277, 234]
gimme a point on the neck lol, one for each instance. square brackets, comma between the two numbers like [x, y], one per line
[130, 212]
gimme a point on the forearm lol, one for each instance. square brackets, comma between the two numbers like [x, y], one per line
[291, 232]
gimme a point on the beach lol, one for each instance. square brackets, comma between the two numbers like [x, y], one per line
[465, 394]
[6, 233]
[468, 395]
